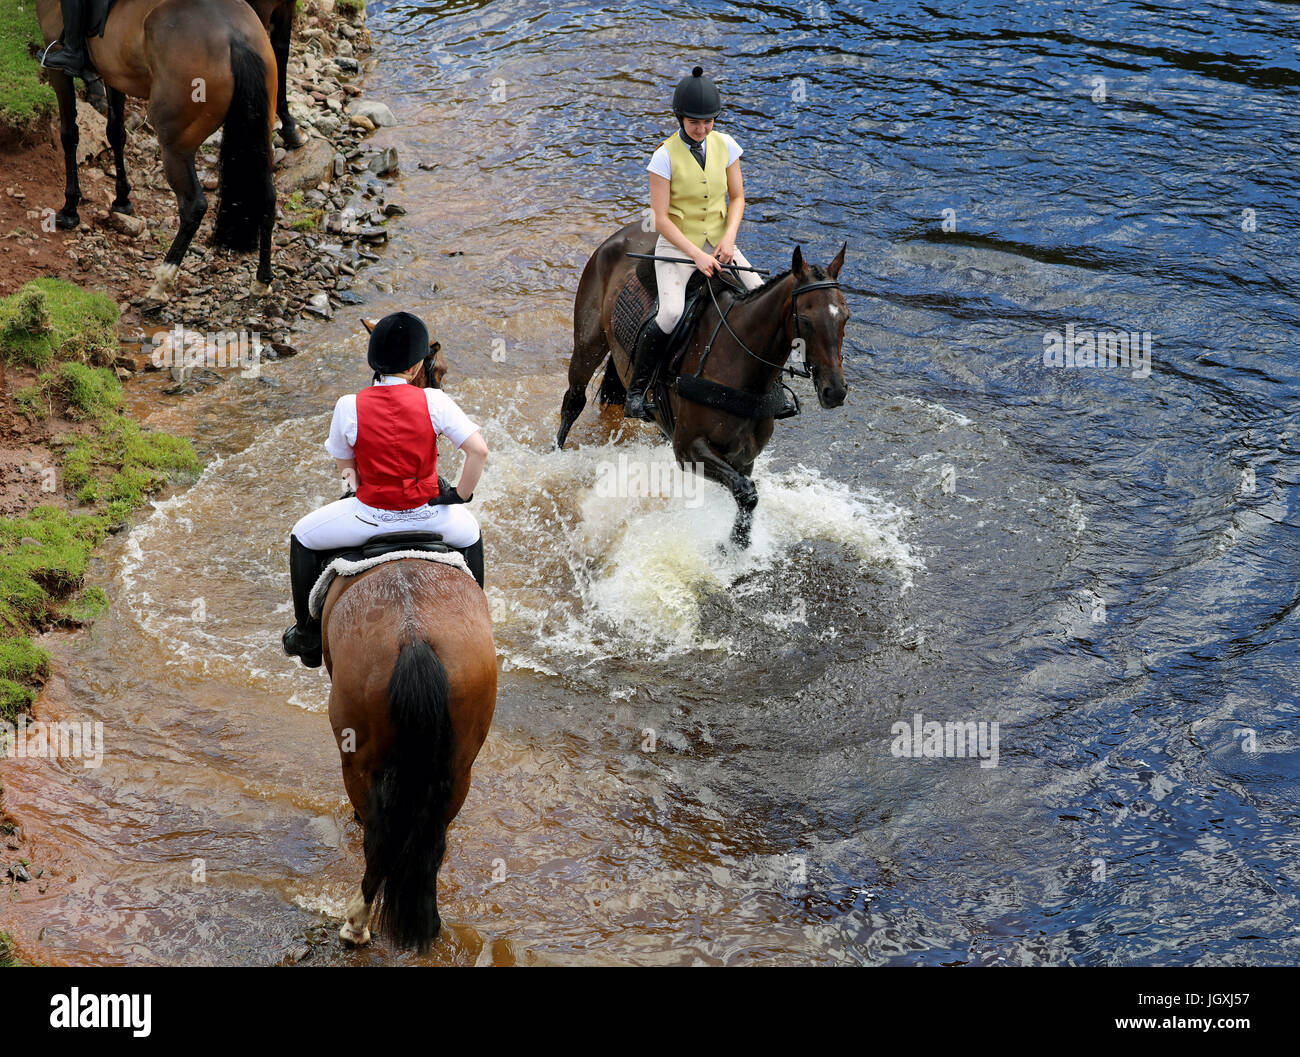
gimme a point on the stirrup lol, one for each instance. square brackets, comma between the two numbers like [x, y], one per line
[308, 652]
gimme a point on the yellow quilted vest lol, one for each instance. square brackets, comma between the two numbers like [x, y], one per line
[697, 198]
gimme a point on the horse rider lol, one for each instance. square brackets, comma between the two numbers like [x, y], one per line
[68, 53]
[384, 440]
[697, 198]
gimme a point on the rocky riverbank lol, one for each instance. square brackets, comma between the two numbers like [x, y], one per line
[333, 196]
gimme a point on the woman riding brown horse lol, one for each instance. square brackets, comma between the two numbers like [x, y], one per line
[202, 64]
[748, 338]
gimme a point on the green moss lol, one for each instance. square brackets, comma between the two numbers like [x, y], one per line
[25, 101]
[88, 606]
[8, 956]
[120, 464]
[349, 8]
[51, 319]
[21, 665]
[42, 555]
[90, 392]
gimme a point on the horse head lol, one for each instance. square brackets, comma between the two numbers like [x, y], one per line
[434, 365]
[819, 315]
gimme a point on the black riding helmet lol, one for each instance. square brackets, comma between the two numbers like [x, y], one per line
[697, 96]
[398, 341]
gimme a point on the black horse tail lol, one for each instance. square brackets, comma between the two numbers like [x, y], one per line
[247, 193]
[612, 389]
[406, 827]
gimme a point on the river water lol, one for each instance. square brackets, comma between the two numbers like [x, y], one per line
[1102, 564]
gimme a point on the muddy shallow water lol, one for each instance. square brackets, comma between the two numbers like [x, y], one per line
[1102, 564]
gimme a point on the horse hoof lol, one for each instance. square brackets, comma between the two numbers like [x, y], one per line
[292, 140]
[352, 937]
[157, 294]
[125, 208]
[260, 289]
[67, 221]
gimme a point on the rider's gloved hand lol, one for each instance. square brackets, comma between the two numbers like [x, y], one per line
[449, 497]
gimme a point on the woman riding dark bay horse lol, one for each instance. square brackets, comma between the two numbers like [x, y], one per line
[203, 65]
[743, 340]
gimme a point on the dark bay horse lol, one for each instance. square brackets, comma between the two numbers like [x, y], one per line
[408, 645]
[277, 17]
[748, 353]
[202, 64]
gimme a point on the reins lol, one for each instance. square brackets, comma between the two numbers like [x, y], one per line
[818, 284]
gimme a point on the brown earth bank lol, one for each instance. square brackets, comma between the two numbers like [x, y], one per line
[332, 208]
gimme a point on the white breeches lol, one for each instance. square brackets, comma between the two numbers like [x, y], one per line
[672, 280]
[350, 523]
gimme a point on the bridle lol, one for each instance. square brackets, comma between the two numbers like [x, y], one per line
[816, 284]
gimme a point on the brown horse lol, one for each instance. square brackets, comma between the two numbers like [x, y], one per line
[277, 17]
[201, 64]
[751, 337]
[408, 645]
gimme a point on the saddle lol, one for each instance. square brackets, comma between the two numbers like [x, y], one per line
[391, 546]
[638, 303]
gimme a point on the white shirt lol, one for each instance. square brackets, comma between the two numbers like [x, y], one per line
[661, 166]
[444, 415]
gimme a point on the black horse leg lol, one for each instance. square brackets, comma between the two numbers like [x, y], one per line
[262, 285]
[117, 140]
[281, 32]
[574, 401]
[179, 170]
[742, 488]
[65, 92]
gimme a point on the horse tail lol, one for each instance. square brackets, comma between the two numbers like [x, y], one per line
[247, 193]
[612, 389]
[406, 826]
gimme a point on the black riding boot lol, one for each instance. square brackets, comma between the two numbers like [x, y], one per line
[649, 347]
[473, 555]
[303, 639]
[68, 53]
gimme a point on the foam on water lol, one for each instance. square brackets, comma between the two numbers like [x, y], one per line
[575, 570]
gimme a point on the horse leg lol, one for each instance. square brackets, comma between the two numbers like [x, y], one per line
[589, 352]
[281, 32]
[66, 93]
[117, 140]
[741, 486]
[184, 181]
[262, 283]
[356, 925]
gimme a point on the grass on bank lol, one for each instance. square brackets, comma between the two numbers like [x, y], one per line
[26, 102]
[7, 956]
[108, 466]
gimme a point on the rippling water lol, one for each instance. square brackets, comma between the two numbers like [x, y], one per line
[1105, 565]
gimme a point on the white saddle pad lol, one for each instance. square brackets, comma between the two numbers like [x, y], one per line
[343, 567]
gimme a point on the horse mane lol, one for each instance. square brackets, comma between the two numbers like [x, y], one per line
[817, 274]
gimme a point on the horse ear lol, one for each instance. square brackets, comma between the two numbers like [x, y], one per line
[434, 348]
[369, 324]
[834, 270]
[796, 262]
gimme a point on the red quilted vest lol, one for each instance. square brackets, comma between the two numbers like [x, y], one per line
[396, 448]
